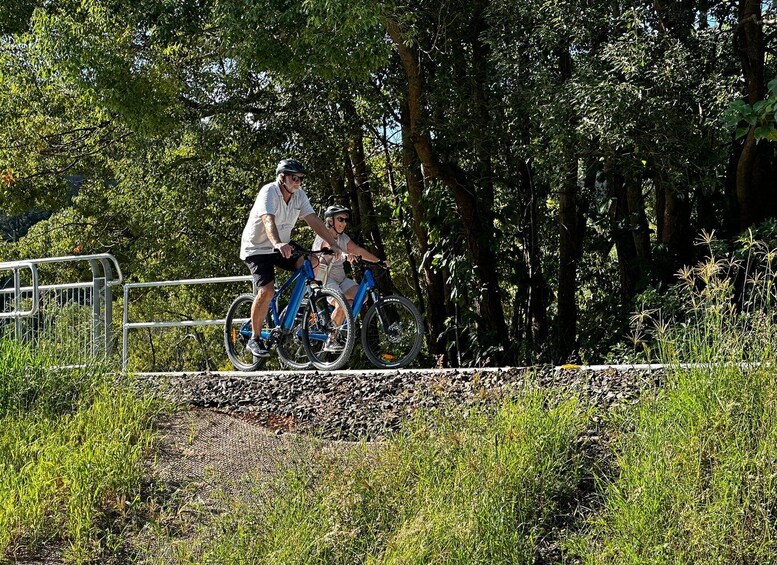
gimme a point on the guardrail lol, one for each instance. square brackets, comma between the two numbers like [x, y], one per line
[127, 325]
[73, 314]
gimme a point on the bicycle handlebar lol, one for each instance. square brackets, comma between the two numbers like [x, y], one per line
[362, 260]
[299, 251]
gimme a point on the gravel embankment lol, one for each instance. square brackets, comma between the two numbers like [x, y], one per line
[369, 404]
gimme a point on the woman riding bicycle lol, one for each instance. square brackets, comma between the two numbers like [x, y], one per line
[331, 269]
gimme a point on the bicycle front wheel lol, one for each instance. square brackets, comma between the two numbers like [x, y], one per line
[290, 349]
[328, 342]
[237, 332]
[392, 332]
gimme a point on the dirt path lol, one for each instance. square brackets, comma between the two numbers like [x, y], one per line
[208, 462]
[221, 452]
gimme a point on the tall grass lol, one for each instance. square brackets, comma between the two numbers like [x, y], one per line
[72, 444]
[485, 488]
[697, 465]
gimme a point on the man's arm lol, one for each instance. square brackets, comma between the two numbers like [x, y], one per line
[272, 234]
[318, 226]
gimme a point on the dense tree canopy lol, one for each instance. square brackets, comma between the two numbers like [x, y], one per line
[529, 167]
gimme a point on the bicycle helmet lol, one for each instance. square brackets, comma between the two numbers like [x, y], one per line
[336, 209]
[290, 167]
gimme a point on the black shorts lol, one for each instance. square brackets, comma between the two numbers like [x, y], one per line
[262, 267]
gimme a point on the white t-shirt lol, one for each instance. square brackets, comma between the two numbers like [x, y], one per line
[270, 201]
[335, 269]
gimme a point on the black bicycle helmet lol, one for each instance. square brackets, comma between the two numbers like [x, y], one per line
[336, 209]
[290, 167]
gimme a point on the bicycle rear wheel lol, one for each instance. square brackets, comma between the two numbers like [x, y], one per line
[392, 332]
[237, 332]
[328, 345]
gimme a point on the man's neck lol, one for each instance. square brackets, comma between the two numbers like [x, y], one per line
[285, 192]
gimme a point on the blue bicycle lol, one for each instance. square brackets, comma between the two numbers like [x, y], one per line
[302, 333]
[392, 328]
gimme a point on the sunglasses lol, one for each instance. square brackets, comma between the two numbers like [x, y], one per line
[297, 178]
[342, 219]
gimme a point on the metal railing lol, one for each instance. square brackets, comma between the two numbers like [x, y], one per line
[68, 315]
[128, 325]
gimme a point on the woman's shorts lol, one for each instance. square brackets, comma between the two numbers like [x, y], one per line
[343, 286]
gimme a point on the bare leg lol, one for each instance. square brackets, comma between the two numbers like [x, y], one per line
[338, 316]
[260, 306]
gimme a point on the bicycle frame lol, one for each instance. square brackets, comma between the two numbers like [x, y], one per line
[367, 285]
[301, 279]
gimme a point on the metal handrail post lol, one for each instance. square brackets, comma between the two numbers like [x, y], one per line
[108, 311]
[17, 303]
[125, 329]
[126, 325]
[19, 290]
[98, 283]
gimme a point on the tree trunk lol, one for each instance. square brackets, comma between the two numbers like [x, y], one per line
[353, 195]
[478, 234]
[529, 324]
[753, 189]
[673, 229]
[433, 280]
[638, 222]
[409, 251]
[569, 236]
[628, 266]
[568, 258]
[538, 285]
[369, 224]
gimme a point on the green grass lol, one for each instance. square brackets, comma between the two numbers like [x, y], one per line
[696, 473]
[72, 446]
[690, 474]
[484, 487]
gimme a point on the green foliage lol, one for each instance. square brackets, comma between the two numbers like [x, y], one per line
[147, 127]
[760, 116]
[719, 307]
[30, 385]
[695, 481]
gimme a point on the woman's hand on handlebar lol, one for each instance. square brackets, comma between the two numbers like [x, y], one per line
[380, 263]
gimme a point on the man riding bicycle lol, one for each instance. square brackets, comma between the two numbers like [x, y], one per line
[337, 218]
[265, 241]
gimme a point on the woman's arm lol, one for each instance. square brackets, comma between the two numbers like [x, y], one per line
[354, 249]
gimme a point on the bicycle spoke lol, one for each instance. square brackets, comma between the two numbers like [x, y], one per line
[291, 351]
[328, 341]
[392, 332]
[237, 332]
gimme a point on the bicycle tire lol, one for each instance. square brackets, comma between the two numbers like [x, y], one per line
[235, 341]
[317, 321]
[291, 350]
[398, 347]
